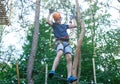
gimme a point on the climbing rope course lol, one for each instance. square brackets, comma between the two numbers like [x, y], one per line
[41, 74]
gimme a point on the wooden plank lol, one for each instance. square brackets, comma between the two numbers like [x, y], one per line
[4, 21]
[3, 18]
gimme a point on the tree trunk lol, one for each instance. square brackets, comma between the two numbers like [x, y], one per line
[34, 45]
[77, 57]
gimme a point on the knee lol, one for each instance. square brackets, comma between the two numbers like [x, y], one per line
[60, 52]
[68, 57]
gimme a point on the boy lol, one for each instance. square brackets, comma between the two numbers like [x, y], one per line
[62, 44]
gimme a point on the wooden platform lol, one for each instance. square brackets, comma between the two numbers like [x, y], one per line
[3, 17]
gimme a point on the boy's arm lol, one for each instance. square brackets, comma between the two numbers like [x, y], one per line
[48, 20]
[73, 24]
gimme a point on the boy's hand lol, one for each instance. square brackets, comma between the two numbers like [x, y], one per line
[72, 17]
[51, 11]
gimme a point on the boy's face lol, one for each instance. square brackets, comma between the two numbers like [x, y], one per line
[58, 20]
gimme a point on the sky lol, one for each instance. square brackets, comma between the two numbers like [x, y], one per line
[15, 40]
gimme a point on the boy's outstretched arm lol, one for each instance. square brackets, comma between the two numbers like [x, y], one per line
[73, 24]
[48, 20]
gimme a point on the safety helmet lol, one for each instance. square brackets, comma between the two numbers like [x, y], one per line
[56, 15]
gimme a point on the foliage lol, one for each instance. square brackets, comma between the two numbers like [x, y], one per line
[107, 60]
[8, 74]
[106, 48]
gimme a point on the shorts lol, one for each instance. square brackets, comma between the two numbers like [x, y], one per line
[64, 46]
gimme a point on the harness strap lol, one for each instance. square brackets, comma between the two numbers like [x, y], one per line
[66, 45]
[63, 39]
[62, 44]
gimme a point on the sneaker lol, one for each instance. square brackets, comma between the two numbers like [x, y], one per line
[51, 74]
[71, 79]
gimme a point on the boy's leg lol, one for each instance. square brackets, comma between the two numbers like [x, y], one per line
[59, 50]
[57, 59]
[69, 69]
[68, 52]
[69, 64]
[55, 63]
